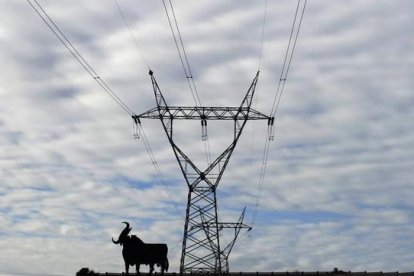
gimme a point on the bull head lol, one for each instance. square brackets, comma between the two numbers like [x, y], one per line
[124, 235]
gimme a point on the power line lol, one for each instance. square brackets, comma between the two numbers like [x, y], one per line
[288, 56]
[133, 36]
[179, 44]
[294, 33]
[139, 130]
[263, 33]
[75, 53]
[254, 126]
[261, 177]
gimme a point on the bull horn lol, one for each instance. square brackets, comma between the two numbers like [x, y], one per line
[123, 233]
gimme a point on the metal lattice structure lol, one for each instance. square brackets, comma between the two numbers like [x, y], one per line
[201, 247]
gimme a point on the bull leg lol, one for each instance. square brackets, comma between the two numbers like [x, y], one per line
[164, 265]
[137, 267]
[126, 268]
[151, 268]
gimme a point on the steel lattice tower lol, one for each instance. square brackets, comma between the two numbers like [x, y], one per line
[201, 247]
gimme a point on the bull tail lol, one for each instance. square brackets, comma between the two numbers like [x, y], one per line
[166, 264]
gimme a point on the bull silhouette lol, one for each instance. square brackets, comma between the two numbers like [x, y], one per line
[136, 252]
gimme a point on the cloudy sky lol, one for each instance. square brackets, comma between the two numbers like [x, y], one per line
[339, 182]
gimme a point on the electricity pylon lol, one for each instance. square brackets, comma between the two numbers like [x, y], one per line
[201, 248]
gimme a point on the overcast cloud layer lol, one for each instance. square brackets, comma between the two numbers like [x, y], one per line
[339, 183]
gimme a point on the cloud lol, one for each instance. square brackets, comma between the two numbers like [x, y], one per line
[338, 185]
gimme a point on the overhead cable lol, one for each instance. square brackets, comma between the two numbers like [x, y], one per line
[179, 44]
[158, 170]
[288, 56]
[133, 36]
[263, 34]
[254, 126]
[75, 53]
[139, 130]
[261, 179]
[294, 34]
[175, 30]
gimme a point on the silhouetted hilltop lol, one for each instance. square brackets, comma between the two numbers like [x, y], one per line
[86, 271]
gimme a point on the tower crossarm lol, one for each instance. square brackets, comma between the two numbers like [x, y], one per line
[202, 113]
[227, 225]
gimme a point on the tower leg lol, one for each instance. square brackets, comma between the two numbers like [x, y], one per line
[201, 247]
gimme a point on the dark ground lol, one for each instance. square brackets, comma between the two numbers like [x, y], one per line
[295, 273]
